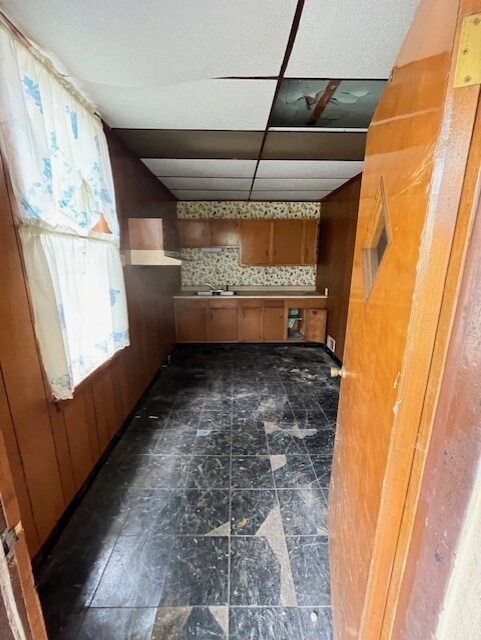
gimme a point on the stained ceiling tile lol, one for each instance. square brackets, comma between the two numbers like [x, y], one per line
[204, 104]
[308, 169]
[180, 143]
[288, 195]
[211, 195]
[154, 42]
[203, 184]
[298, 184]
[201, 168]
[350, 38]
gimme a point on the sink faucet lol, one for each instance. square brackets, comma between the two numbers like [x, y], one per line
[211, 286]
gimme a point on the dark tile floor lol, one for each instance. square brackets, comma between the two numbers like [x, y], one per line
[208, 520]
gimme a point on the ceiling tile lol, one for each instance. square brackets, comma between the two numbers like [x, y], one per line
[288, 195]
[223, 184]
[155, 42]
[310, 145]
[300, 184]
[308, 169]
[180, 143]
[204, 104]
[350, 38]
[201, 168]
[211, 195]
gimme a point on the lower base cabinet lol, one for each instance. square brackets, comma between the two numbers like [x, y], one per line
[275, 327]
[222, 325]
[246, 320]
[250, 324]
[191, 321]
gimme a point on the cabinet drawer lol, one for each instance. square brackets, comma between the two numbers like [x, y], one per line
[273, 304]
[222, 303]
[191, 304]
[299, 303]
[253, 303]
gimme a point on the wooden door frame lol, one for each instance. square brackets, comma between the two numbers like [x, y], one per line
[29, 610]
[402, 476]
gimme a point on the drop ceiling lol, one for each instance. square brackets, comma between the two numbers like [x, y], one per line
[191, 86]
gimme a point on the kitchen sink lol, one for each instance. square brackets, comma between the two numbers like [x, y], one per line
[216, 292]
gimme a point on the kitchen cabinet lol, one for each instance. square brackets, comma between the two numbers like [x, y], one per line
[151, 242]
[195, 234]
[274, 321]
[250, 321]
[225, 319]
[310, 240]
[255, 239]
[191, 320]
[316, 321]
[222, 321]
[224, 233]
[287, 242]
[279, 242]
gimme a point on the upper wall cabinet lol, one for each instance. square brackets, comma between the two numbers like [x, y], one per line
[152, 242]
[195, 234]
[279, 242]
[256, 242]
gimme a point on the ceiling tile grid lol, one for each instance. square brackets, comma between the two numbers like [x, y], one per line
[190, 87]
[349, 38]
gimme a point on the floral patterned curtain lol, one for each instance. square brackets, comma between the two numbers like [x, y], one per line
[58, 163]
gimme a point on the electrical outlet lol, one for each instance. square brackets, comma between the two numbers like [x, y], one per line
[331, 344]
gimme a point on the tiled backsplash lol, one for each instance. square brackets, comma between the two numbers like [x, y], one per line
[222, 267]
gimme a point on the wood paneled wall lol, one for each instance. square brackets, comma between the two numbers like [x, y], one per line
[53, 448]
[337, 235]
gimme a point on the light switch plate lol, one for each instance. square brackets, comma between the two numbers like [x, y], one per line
[331, 344]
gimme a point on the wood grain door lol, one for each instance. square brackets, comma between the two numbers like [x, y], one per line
[194, 233]
[222, 324]
[274, 321]
[309, 241]
[250, 323]
[316, 321]
[20, 612]
[191, 321]
[417, 149]
[255, 242]
[287, 244]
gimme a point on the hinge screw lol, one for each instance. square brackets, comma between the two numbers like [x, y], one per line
[467, 79]
[476, 21]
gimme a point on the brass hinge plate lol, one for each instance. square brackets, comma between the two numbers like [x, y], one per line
[468, 61]
[8, 539]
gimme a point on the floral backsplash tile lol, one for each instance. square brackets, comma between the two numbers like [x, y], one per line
[223, 268]
[243, 210]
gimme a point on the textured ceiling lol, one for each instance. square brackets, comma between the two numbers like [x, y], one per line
[153, 42]
[189, 86]
[203, 104]
[350, 38]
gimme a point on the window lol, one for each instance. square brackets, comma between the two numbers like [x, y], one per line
[378, 238]
[58, 163]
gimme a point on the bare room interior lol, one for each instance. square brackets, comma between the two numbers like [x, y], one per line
[240, 352]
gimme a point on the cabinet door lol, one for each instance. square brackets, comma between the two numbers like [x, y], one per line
[311, 230]
[316, 321]
[194, 233]
[222, 325]
[255, 242]
[274, 324]
[191, 321]
[287, 242]
[224, 233]
[250, 324]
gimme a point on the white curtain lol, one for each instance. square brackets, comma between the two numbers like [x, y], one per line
[57, 158]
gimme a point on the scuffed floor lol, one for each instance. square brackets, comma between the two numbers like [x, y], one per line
[208, 521]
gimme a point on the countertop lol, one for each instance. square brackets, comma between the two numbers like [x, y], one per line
[254, 294]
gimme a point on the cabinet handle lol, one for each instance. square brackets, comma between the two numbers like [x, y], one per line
[314, 313]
